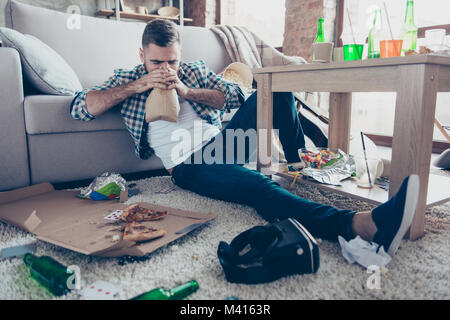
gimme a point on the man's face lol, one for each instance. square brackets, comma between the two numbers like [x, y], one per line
[156, 57]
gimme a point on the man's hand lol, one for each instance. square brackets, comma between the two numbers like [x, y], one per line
[173, 82]
[154, 79]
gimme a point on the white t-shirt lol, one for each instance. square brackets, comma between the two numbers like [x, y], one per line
[174, 142]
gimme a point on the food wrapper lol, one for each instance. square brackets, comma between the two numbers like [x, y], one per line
[105, 187]
[364, 253]
[341, 168]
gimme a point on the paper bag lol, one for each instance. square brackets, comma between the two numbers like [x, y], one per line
[162, 105]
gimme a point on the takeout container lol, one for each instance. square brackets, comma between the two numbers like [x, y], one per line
[339, 168]
[240, 73]
[63, 219]
[323, 52]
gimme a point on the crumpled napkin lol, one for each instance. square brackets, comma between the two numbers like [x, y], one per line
[363, 252]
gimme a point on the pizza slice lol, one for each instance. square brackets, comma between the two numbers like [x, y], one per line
[137, 232]
[137, 213]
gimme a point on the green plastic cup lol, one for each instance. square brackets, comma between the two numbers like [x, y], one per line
[353, 51]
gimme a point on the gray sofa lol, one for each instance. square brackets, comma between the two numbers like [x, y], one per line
[39, 141]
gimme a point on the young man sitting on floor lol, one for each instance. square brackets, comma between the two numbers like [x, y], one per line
[205, 166]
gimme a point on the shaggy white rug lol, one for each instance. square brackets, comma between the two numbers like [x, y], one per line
[420, 270]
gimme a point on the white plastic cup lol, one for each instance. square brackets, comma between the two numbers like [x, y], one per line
[373, 164]
[435, 39]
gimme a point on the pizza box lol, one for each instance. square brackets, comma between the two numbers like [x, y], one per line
[61, 218]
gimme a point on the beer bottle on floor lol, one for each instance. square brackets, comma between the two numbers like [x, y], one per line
[177, 293]
[409, 29]
[49, 273]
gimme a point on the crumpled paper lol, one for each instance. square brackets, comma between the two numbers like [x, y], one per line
[104, 187]
[363, 252]
[334, 174]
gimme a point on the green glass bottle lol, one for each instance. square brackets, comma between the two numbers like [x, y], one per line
[49, 273]
[320, 34]
[376, 34]
[177, 293]
[409, 29]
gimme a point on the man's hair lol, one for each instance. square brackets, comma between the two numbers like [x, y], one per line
[163, 33]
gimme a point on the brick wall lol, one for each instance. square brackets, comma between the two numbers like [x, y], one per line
[301, 25]
[195, 9]
[202, 11]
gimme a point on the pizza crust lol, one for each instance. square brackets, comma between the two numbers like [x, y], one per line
[135, 213]
[137, 232]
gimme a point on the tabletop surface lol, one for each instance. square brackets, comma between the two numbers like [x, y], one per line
[395, 61]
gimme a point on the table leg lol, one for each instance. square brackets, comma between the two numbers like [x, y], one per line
[340, 121]
[413, 133]
[264, 121]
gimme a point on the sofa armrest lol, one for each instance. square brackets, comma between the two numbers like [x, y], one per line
[14, 169]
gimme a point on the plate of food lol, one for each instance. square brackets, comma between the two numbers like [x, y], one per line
[322, 165]
[319, 158]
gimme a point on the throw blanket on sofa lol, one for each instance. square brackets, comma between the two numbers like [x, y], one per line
[244, 46]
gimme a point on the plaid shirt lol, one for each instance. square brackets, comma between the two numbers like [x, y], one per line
[194, 75]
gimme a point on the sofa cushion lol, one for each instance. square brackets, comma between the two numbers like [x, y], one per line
[102, 45]
[51, 114]
[44, 68]
[84, 155]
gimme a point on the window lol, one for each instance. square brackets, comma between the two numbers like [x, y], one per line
[265, 18]
[380, 107]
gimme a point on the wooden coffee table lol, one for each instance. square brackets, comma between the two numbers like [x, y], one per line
[415, 79]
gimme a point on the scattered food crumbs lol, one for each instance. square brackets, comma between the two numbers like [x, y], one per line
[384, 271]
[194, 256]
[174, 247]
[418, 285]
[115, 238]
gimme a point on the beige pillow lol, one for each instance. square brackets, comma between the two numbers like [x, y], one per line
[162, 105]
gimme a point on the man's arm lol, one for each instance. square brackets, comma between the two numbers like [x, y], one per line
[210, 97]
[215, 96]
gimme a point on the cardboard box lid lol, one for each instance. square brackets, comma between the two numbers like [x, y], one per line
[61, 218]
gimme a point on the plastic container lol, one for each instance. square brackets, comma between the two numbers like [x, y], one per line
[390, 48]
[353, 52]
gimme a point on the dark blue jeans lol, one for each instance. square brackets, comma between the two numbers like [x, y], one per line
[234, 183]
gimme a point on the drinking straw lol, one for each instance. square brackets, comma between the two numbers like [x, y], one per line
[351, 27]
[388, 20]
[365, 158]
